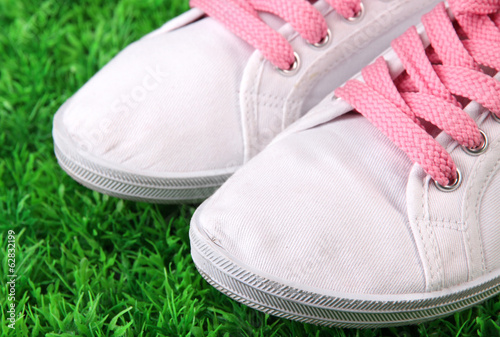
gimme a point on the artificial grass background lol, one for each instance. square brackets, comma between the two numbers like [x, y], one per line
[92, 265]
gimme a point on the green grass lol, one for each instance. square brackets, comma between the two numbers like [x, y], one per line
[92, 265]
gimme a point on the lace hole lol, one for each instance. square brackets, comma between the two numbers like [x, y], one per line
[358, 16]
[451, 187]
[479, 150]
[495, 117]
[293, 68]
[324, 41]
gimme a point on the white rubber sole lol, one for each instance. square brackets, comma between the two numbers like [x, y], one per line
[315, 306]
[98, 175]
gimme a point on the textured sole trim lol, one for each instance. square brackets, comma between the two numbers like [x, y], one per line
[137, 187]
[284, 301]
[98, 175]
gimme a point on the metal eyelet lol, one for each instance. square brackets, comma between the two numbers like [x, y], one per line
[358, 16]
[293, 69]
[478, 150]
[451, 187]
[495, 117]
[324, 41]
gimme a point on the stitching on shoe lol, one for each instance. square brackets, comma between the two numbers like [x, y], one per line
[422, 237]
[459, 224]
[466, 237]
[430, 282]
[275, 97]
[479, 198]
[255, 113]
[247, 128]
[428, 252]
[437, 255]
[477, 202]
[448, 224]
[467, 197]
[434, 247]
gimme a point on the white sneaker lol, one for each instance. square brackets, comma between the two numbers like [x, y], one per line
[175, 114]
[333, 224]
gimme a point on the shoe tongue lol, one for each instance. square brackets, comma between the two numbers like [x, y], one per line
[430, 128]
[324, 112]
[273, 21]
[276, 22]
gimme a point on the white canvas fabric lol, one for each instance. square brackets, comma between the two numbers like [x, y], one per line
[332, 224]
[322, 210]
[177, 112]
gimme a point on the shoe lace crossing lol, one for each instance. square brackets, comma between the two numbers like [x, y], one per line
[241, 17]
[437, 79]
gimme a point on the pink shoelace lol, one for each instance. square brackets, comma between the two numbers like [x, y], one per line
[241, 17]
[436, 78]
